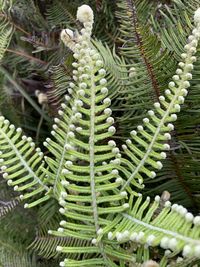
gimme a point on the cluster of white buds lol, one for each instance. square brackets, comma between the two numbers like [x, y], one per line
[85, 14]
[72, 39]
[167, 243]
[86, 58]
[68, 38]
[132, 72]
[191, 251]
[183, 73]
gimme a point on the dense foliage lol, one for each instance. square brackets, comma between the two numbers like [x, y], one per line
[140, 45]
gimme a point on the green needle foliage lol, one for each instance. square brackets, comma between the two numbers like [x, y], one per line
[94, 184]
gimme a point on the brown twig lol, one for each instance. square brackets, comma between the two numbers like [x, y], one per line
[16, 26]
[26, 56]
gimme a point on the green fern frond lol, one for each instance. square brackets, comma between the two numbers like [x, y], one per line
[175, 96]
[173, 228]
[180, 14]
[20, 167]
[143, 49]
[117, 72]
[46, 245]
[160, 121]
[85, 121]
[6, 207]
[6, 27]
[61, 14]
[152, 64]
[60, 79]
[103, 216]
[8, 258]
[178, 176]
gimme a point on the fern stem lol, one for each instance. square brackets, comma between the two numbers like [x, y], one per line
[92, 164]
[133, 16]
[91, 144]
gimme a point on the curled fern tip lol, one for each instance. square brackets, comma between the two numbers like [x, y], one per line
[85, 14]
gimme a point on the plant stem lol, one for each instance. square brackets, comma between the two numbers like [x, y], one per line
[24, 93]
[20, 53]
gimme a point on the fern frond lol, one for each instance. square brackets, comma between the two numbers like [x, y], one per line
[21, 167]
[117, 73]
[149, 65]
[84, 156]
[6, 207]
[103, 219]
[160, 121]
[85, 121]
[61, 14]
[173, 228]
[142, 49]
[178, 13]
[46, 245]
[60, 79]
[13, 258]
[178, 174]
[6, 27]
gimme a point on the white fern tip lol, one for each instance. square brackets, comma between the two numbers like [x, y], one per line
[67, 36]
[85, 14]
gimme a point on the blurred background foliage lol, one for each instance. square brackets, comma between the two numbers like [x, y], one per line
[140, 42]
